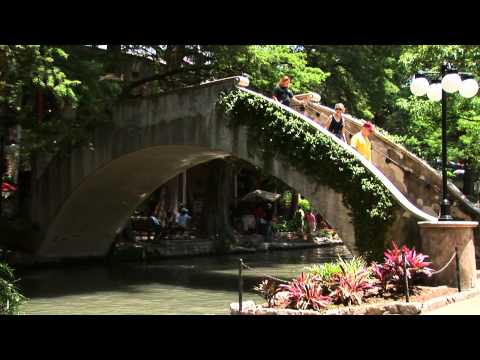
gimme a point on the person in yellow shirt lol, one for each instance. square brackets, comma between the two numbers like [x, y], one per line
[360, 141]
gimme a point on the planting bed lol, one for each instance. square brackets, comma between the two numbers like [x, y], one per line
[355, 287]
[424, 298]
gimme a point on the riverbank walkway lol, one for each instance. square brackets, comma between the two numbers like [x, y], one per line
[465, 307]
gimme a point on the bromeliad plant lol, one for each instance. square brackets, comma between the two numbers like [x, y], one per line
[391, 271]
[325, 272]
[267, 289]
[353, 265]
[346, 281]
[352, 286]
[304, 293]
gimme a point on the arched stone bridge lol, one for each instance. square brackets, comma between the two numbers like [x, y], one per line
[81, 201]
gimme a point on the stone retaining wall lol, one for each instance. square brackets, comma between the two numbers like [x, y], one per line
[182, 247]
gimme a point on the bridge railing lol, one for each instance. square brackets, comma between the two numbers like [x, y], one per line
[354, 125]
[397, 194]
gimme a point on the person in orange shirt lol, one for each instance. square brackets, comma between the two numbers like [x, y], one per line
[360, 141]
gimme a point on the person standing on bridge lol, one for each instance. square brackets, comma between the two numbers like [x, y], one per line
[360, 141]
[335, 123]
[283, 94]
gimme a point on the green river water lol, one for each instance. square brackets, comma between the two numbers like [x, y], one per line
[189, 285]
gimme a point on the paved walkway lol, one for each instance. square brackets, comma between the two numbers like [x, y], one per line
[465, 307]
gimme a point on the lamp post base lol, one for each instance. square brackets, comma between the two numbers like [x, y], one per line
[445, 211]
[439, 240]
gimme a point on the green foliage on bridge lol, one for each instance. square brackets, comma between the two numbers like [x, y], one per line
[278, 131]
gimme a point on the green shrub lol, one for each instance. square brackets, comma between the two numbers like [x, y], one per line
[325, 233]
[286, 200]
[297, 221]
[353, 265]
[304, 204]
[324, 271]
[285, 226]
[280, 227]
[10, 297]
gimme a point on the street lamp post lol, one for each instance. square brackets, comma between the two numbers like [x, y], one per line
[451, 81]
[445, 206]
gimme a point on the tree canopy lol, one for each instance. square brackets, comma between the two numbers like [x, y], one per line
[371, 80]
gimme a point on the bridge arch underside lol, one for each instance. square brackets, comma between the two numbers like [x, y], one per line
[99, 208]
[82, 201]
[96, 211]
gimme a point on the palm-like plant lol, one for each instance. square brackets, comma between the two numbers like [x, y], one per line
[10, 297]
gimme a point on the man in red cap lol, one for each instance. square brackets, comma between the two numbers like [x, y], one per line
[360, 140]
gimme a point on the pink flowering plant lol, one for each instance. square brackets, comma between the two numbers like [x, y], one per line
[352, 287]
[305, 292]
[391, 271]
[347, 282]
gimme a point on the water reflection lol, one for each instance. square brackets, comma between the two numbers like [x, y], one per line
[200, 285]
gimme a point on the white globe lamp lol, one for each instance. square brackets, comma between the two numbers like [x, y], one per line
[469, 88]
[451, 82]
[419, 86]
[434, 92]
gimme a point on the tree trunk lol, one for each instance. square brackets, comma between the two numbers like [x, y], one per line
[115, 64]
[39, 101]
[174, 55]
[24, 193]
[294, 206]
[468, 180]
[217, 204]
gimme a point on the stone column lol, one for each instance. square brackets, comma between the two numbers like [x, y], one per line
[184, 188]
[235, 187]
[439, 239]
